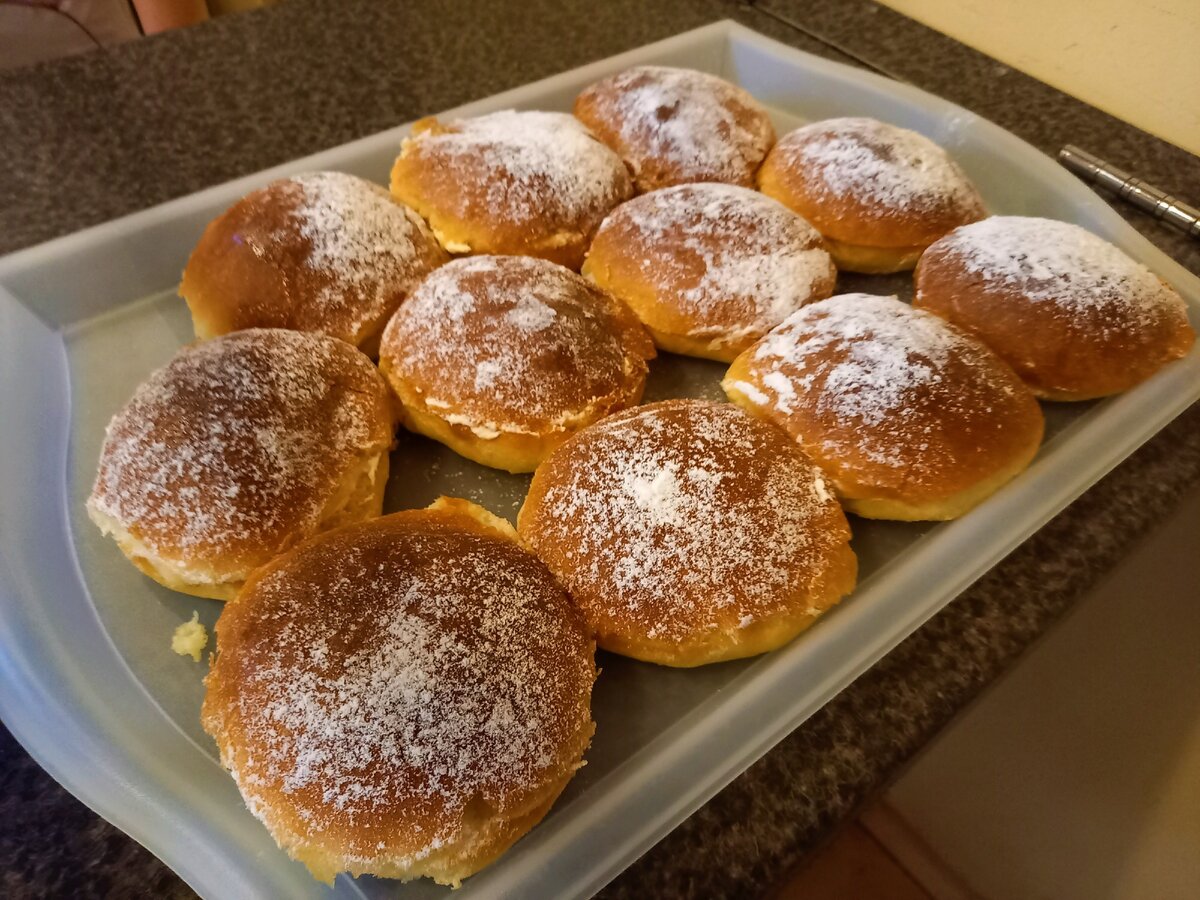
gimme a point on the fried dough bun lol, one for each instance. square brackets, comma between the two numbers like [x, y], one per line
[519, 183]
[405, 697]
[501, 358]
[677, 126]
[910, 417]
[238, 448]
[688, 532]
[879, 194]
[1073, 315]
[325, 252]
[709, 268]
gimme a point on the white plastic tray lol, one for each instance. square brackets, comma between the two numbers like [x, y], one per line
[87, 682]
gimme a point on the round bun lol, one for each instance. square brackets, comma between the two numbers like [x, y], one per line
[239, 448]
[500, 358]
[521, 183]
[709, 268]
[910, 417]
[688, 533]
[405, 697]
[674, 126]
[879, 194]
[323, 252]
[1073, 315]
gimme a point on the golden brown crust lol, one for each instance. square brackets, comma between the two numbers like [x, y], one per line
[677, 126]
[870, 185]
[238, 448]
[501, 358]
[519, 183]
[709, 268]
[688, 533]
[1074, 316]
[910, 417]
[405, 697]
[323, 252]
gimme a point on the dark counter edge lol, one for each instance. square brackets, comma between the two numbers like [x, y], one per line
[110, 132]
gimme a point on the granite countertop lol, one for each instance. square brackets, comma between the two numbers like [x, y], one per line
[112, 131]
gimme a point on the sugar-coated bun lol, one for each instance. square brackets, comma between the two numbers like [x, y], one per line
[910, 417]
[521, 183]
[1073, 315]
[709, 268]
[879, 194]
[323, 252]
[688, 532]
[238, 448]
[500, 358]
[675, 126]
[404, 697]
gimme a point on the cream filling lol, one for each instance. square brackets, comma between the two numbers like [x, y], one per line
[485, 432]
[448, 245]
[171, 572]
[750, 392]
[489, 431]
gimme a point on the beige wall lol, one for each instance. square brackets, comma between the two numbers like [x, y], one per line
[1138, 61]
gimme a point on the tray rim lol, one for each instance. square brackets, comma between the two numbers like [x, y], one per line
[689, 729]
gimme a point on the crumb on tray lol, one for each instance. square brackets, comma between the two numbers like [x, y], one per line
[190, 638]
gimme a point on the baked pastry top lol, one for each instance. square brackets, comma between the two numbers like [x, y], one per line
[239, 447]
[909, 416]
[687, 533]
[502, 357]
[325, 252]
[709, 268]
[404, 697]
[878, 193]
[1071, 313]
[521, 183]
[675, 126]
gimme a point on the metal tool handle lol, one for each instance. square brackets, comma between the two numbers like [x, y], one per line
[1159, 204]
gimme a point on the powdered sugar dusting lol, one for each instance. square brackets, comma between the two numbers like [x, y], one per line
[530, 313]
[878, 164]
[533, 167]
[735, 260]
[871, 367]
[682, 517]
[324, 251]
[487, 372]
[357, 229]
[392, 679]
[1056, 263]
[679, 125]
[346, 253]
[236, 443]
[514, 343]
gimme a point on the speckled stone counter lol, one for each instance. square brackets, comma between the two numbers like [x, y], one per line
[110, 132]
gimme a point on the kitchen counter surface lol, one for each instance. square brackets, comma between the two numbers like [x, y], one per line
[113, 131]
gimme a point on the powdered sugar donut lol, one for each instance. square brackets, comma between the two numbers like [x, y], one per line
[238, 448]
[523, 183]
[323, 252]
[879, 194]
[709, 268]
[675, 126]
[1073, 315]
[910, 417]
[687, 533]
[405, 697]
[502, 357]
